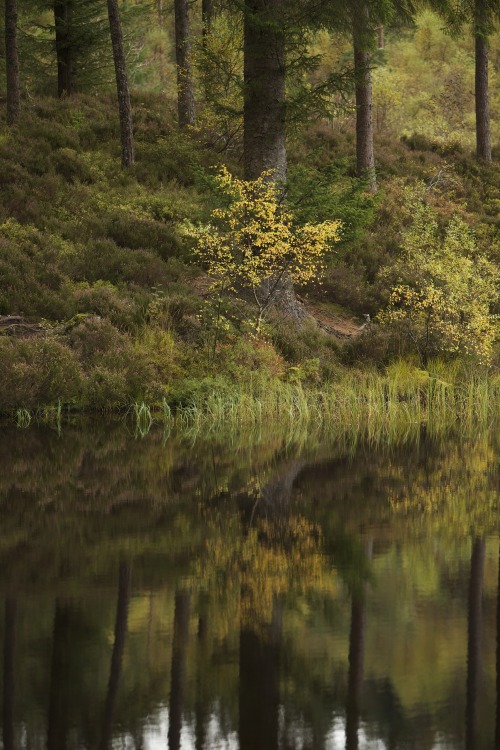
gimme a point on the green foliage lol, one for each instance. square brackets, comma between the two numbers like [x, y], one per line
[426, 88]
[38, 373]
[316, 194]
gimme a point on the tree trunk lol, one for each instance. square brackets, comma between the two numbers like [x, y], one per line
[64, 47]
[121, 624]
[207, 11]
[178, 668]
[365, 160]
[185, 88]
[124, 106]
[497, 727]
[12, 61]
[380, 37]
[9, 649]
[475, 620]
[483, 134]
[264, 137]
[264, 89]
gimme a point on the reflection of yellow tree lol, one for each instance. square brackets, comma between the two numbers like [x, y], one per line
[275, 557]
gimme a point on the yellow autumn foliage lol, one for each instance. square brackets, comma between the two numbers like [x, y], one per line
[254, 239]
[443, 287]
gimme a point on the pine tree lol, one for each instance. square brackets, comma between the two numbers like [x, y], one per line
[185, 86]
[124, 106]
[12, 61]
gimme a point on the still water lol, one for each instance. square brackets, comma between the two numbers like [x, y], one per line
[179, 592]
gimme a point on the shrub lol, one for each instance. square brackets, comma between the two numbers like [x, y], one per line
[37, 372]
[443, 287]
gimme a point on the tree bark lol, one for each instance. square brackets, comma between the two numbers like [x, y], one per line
[483, 131]
[264, 90]
[185, 87]
[207, 12]
[264, 120]
[124, 106]
[121, 625]
[178, 668]
[475, 620]
[365, 159]
[380, 37]
[64, 48]
[12, 61]
[497, 723]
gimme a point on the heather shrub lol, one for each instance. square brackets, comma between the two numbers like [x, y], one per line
[37, 372]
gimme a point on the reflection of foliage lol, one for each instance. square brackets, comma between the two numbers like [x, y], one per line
[71, 507]
[275, 557]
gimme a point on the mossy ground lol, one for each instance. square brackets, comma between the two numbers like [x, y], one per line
[95, 255]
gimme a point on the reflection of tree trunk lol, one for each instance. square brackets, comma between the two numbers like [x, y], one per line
[474, 638]
[277, 492]
[9, 649]
[58, 703]
[259, 686]
[356, 660]
[178, 670]
[117, 656]
[201, 703]
[497, 732]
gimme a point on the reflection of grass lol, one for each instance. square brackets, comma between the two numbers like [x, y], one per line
[366, 406]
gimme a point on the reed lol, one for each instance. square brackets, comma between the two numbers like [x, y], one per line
[371, 406]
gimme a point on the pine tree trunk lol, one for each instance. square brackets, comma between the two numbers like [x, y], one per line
[12, 61]
[64, 48]
[365, 160]
[483, 133]
[207, 11]
[264, 138]
[497, 723]
[185, 88]
[380, 37]
[264, 90]
[124, 106]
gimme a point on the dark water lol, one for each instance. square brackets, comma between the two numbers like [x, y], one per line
[224, 593]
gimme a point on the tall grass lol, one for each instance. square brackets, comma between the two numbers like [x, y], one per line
[370, 406]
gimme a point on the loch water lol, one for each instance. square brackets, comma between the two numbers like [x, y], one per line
[251, 591]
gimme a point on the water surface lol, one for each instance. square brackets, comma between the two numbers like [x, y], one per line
[172, 592]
